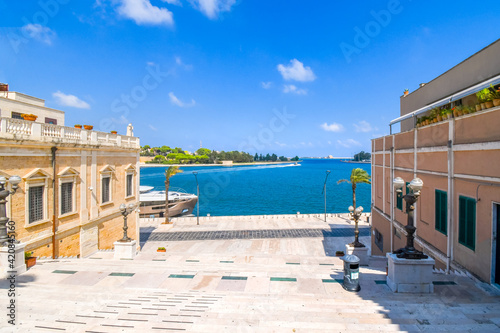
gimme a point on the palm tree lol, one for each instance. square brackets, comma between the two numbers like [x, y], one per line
[171, 171]
[358, 175]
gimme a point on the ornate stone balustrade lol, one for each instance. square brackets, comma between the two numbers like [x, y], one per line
[28, 130]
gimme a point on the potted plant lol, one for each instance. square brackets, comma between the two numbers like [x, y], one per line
[29, 260]
[161, 249]
[495, 94]
[114, 132]
[339, 253]
[484, 97]
[406, 92]
[443, 114]
[29, 116]
[88, 127]
[78, 126]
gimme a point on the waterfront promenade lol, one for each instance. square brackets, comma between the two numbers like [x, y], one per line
[241, 274]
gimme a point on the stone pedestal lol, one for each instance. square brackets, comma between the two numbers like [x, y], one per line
[410, 275]
[360, 252]
[125, 250]
[18, 265]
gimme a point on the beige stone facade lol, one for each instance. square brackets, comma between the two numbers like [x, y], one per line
[458, 212]
[84, 159]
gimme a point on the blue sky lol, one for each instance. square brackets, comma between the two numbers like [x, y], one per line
[291, 77]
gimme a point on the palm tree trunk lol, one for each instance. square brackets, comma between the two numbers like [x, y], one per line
[167, 185]
[354, 195]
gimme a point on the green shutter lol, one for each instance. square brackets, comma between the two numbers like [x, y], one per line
[441, 211]
[399, 200]
[467, 222]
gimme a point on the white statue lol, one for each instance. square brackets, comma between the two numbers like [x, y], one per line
[130, 130]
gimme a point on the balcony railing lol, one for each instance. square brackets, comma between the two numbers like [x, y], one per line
[29, 130]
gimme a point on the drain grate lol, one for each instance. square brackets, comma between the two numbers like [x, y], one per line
[180, 276]
[121, 274]
[234, 278]
[281, 279]
[58, 271]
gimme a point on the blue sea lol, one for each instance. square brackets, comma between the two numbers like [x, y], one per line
[267, 189]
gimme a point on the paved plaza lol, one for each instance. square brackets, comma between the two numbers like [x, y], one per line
[273, 274]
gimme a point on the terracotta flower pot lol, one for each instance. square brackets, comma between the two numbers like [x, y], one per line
[496, 102]
[489, 104]
[30, 118]
[88, 127]
[161, 250]
[114, 132]
[78, 126]
[478, 107]
[30, 262]
[439, 118]
[483, 106]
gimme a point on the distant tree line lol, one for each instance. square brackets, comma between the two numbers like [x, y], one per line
[168, 155]
[362, 156]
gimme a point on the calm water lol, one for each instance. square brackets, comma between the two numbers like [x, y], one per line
[275, 189]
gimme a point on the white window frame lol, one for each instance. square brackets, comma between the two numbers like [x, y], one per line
[37, 177]
[106, 172]
[68, 175]
[130, 170]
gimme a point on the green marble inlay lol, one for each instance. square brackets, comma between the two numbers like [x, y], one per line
[180, 276]
[192, 260]
[234, 278]
[293, 263]
[327, 265]
[284, 279]
[121, 274]
[226, 262]
[332, 281]
[443, 283]
[159, 259]
[64, 272]
[380, 281]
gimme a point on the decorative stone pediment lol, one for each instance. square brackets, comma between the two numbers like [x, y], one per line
[107, 169]
[68, 172]
[130, 168]
[36, 174]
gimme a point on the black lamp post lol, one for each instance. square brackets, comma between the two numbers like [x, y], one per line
[409, 251]
[126, 210]
[355, 215]
[324, 189]
[4, 193]
[198, 194]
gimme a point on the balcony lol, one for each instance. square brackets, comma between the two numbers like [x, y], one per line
[17, 129]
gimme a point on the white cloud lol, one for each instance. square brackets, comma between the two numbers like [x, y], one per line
[173, 2]
[212, 8]
[296, 71]
[348, 143]
[266, 85]
[70, 100]
[329, 142]
[333, 127]
[40, 33]
[363, 126]
[180, 63]
[174, 100]
[290, 88]
[152, 128]
[143, 12]
[280, 144]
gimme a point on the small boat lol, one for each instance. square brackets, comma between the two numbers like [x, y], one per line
[152, 203]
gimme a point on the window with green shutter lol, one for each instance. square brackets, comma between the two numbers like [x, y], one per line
[441, 206]
[467, 222]
[399, 200]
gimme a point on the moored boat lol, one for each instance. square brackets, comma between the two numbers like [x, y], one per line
[152, 203]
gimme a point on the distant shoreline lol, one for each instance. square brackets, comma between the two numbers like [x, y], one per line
[210, 165]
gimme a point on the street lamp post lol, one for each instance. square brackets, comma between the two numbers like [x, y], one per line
[198, 194]
[409, 251]
[4, 193]
[126, 210]
[324, 189]
[355, 215]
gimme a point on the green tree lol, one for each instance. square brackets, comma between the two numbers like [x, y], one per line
[361, 156]
[170, 172]
[274, 157]
[283, 159]
[203, 151]
[358, 176]
[256, 157]
[296, 158]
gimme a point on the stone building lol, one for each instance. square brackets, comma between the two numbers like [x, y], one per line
[457, 215]
[73, 180]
